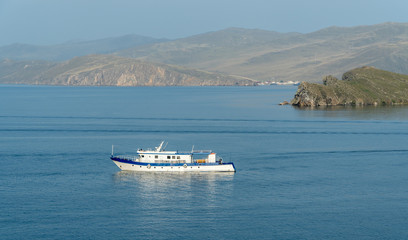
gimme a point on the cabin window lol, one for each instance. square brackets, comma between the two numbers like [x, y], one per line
[173, 157]
[178, 157]
[156, 156]
[142, 155]
[168, 157]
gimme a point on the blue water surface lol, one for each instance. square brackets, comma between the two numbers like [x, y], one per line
[336, 173]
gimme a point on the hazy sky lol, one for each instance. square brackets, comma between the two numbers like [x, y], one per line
[57, 21]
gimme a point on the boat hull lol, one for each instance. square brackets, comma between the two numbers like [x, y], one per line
[187, 167]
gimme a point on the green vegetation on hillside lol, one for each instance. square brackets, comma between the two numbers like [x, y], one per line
[361, 86]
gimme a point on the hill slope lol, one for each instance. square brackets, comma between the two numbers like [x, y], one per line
[361, 86]
[96, 70]
[265, 55]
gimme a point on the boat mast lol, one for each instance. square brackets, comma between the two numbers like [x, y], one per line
[112, 149]
[159, 148]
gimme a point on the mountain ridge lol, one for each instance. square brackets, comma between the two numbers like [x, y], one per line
[285, 56]
[71, 49]
[255, 54]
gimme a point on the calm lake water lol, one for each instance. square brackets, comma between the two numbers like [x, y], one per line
[338, 173]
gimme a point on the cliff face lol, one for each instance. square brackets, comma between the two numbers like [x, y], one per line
[106, 70]
[144, 74]
[361, 86]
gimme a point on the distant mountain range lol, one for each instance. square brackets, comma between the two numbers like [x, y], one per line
[66, 51]
[244, 56]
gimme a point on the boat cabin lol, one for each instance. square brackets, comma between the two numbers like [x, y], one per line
[159, 155]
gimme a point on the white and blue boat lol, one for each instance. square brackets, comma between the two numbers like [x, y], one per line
[160, 160]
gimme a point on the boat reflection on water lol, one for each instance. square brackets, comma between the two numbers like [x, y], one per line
[152, 188]
[168, 179]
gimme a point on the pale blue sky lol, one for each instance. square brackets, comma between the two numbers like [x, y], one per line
[57, 21]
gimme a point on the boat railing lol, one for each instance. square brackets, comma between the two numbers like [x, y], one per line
[201, 151]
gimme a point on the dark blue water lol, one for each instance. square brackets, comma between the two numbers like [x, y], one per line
[339, 173]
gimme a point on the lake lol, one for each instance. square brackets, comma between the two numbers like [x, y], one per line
[335, 173]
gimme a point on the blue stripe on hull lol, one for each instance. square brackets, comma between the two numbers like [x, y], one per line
[167, 164]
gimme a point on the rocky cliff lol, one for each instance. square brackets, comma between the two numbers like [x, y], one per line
[361, 86]
[107, 70]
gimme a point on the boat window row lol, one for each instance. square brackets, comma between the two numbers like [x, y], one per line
[168, 161]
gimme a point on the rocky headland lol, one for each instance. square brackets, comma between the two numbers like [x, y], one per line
[360, 86]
